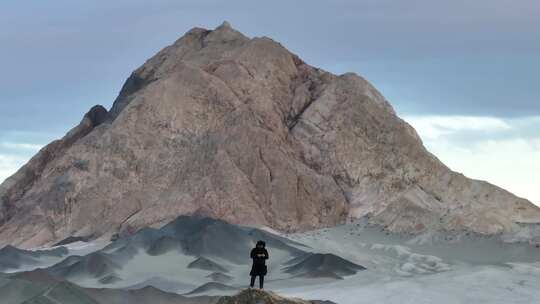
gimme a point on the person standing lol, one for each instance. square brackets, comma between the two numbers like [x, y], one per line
[259, 255]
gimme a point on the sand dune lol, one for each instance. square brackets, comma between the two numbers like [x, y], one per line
[207, 264]
[200, 236]
[94, 265]
[13, 258]
[219, 277]
[212, 287]
[315, 265]
[38, 287]
[161, 283]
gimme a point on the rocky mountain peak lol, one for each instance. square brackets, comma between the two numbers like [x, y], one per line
[227, 33]
[225, 24]
[236, 128]
[197, 47]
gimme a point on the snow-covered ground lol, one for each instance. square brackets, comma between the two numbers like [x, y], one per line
[516, 283]
[403, 270]
[427, 269]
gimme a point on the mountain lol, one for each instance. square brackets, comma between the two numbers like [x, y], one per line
[236, 128]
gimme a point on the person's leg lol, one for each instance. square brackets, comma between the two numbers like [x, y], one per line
[261, 281]
[252, 281]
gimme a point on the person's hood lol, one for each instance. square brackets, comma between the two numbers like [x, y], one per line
[261, 243]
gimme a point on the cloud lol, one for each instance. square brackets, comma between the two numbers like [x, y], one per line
[504, 152]
[433, 127]
[9, 164]
[17, 147]
[23, 146]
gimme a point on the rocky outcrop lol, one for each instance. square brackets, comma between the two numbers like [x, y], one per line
[240, 129]
[250, 296]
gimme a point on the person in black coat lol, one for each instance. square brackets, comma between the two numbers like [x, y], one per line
[259, 255]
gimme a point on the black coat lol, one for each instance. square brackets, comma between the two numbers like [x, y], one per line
[259, 257]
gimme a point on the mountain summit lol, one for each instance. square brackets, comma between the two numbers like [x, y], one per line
[221, 125]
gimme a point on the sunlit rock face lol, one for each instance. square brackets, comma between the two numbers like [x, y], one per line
[221, 125]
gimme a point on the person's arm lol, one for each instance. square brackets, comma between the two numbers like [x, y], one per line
[266, 254]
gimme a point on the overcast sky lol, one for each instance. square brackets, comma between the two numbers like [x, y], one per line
[463, 73]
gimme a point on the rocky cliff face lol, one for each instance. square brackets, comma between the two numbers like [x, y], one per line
[225, 126]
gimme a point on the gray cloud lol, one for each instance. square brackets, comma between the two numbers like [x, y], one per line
[505, 152]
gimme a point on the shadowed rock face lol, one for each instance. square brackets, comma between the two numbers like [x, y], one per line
[72, 239]
[221, 125]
